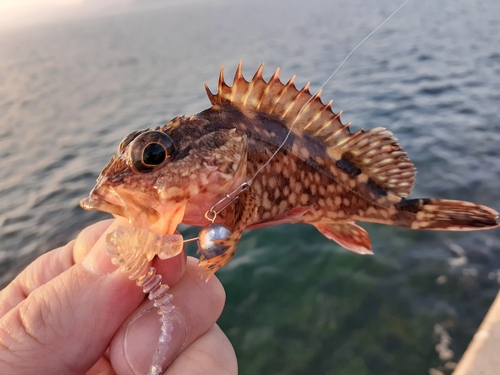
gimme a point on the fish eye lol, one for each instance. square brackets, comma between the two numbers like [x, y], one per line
[154, 154]
[150, 149]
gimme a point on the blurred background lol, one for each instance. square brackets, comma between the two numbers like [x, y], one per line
[77, 76]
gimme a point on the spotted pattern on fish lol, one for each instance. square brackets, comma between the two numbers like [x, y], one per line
[323, 175]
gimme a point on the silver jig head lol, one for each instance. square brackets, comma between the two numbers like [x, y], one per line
[208, 234]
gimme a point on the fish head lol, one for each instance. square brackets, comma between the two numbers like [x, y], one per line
[159, 176]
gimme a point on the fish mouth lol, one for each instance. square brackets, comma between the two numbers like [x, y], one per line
[91, 203]
[156, 217]
[104, 198]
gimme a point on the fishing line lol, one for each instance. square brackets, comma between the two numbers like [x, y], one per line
[123, 243]
[231, 197]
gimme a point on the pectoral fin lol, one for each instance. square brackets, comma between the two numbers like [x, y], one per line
[348, 235]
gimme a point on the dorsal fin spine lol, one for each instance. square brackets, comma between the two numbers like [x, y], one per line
[295, 100]
[238, 76]
[257, 77]
[211, 96]
[267, 89]
[221, 82]
[276, 80]
[319, 113]
[258, 73]
[287, 86]
[375, 152]
[309, 104]
[335, 133]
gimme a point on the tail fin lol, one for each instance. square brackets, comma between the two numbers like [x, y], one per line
[441, 214]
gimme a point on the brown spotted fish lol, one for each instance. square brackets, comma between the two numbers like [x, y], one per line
[323, 175]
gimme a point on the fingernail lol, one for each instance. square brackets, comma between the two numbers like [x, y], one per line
[97, 260]
[143, 332]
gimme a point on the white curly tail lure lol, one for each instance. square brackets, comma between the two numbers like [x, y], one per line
[132, 250]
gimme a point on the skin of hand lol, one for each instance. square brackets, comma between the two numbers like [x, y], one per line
[72, 312]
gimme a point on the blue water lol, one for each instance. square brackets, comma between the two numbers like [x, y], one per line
[296, 302]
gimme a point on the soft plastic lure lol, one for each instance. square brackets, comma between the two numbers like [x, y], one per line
[132, 249]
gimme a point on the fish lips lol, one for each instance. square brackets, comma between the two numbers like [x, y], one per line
[118, 202]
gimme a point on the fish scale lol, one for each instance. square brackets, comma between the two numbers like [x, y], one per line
[323, 174]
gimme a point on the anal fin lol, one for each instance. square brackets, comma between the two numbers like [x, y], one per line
[348, 235]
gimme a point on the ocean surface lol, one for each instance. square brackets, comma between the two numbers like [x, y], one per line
[296, 302]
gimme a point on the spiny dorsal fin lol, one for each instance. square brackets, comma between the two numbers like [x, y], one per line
[375, 152]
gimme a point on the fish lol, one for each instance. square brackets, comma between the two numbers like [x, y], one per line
[286, 156]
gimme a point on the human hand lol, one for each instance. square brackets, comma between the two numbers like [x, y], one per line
[72, 312]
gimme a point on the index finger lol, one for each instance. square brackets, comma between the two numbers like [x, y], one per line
[50, 265]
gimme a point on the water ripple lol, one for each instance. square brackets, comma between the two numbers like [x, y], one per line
[70, 92]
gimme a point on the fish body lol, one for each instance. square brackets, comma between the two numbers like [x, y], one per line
[322, 175]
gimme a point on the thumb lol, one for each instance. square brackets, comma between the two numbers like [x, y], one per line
[66, 325]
